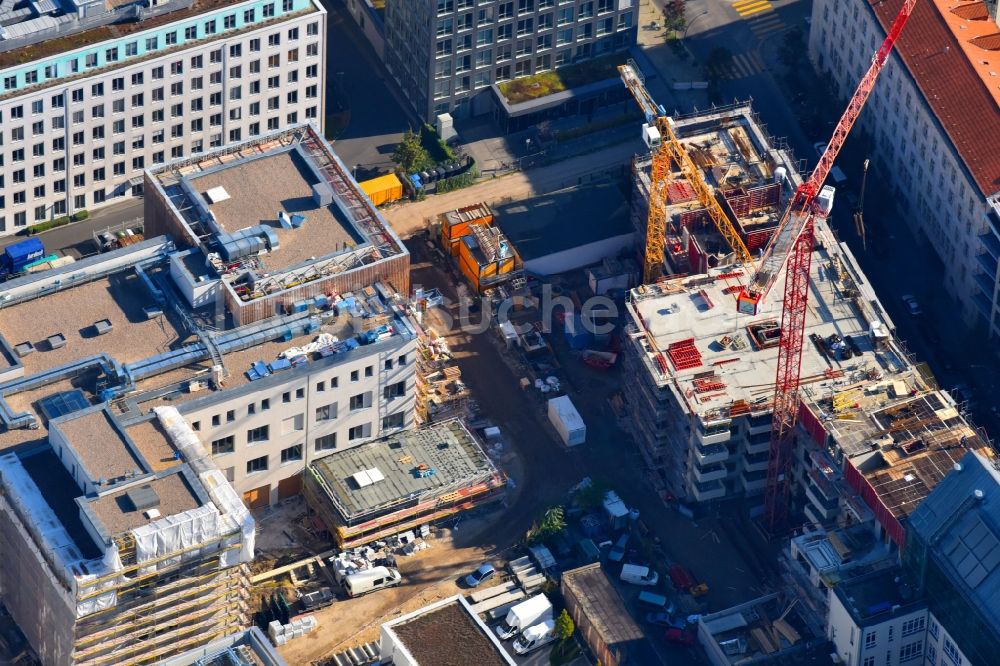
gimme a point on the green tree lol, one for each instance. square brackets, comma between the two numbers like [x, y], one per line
[552, 522]
[410, 154]
[564, 626]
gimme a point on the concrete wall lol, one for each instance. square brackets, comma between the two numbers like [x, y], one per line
[294, 422]
[578, 257]
[368, 22]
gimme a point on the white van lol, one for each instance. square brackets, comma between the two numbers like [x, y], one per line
[535, 637]
[524, 615]
[637, 575]
[370, 580]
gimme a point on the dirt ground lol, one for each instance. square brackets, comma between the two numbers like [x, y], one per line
[543, 470]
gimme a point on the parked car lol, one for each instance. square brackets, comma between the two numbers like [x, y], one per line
[617, 552]
[665, 620]
[912, 305]
[638, 575]
[484, 573]
[679, 636]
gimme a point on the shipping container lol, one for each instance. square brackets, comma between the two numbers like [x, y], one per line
[567, 421]
[455, 224]
[486, 258]
[384, 189]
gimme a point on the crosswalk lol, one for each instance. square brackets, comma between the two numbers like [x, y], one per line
[747, 8]
[741, 66]
[760, 16]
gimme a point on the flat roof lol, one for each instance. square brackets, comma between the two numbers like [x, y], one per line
[711, 355]
[117, 514]
[602, 605]
[956, 78]
[99, 445]
[447, 448]
[875, 594]
[154, 444]
[448, 636]
[73, 311]
[258, 188]
[550, 223]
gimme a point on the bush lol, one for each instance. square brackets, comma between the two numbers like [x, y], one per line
[51, 224]
[458, 182]
[80, 215]
[438, 150]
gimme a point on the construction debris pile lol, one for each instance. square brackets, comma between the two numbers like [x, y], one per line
[441, 393]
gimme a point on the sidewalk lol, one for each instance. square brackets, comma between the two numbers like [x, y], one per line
[670, 67]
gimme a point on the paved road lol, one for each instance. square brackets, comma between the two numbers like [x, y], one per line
[377, 116]
[77, 239]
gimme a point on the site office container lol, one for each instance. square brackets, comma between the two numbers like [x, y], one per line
[455, 225]
[480, 271]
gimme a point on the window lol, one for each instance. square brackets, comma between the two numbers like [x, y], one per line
[394, 421]
[257, 465]
[326, 442]
[361, 400]
[320, 387]
[911, 651]
[216, 419]
[932, 629]
[326, 412]
[300, 393]
[401, 360]
[291, 454]
[196, 426]
[951, 652]
[869, 661]
[354, 375]
[359, 432]
[871, 639]
[230, 416]
[265, 404]
[397, 390]
[224, 445]
[286, 397]
[259, 434]
[912, 626]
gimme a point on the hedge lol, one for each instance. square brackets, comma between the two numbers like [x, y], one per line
[51, 224]
[80, 215]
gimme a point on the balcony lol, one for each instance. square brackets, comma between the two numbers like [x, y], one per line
[986, 284]
[754, 481]
[705, 492]
[759, 424]
[756, 462]
[711, 454]
[715, 433]
[988, 263]
[709, 473]
[816, 509]
[759, 443]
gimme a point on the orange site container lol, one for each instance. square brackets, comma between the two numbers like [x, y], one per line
[455, 224]
[486, 258]
[384, 189]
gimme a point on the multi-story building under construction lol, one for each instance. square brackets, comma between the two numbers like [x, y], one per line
[122, 543]
[873, 429]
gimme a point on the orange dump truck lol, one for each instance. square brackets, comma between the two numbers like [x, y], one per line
[455, 224]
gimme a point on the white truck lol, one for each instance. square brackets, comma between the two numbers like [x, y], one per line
[369, 580]
[523, 615]
[535, 637]
[639, 575]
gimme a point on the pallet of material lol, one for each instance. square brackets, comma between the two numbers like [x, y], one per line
[497, 601]
[490, 592]
[532, 582]
[520, 563]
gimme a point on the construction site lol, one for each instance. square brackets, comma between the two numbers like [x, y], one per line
[123, 543]
[398, 483]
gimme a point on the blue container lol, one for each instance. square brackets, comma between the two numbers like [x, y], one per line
[576, 335]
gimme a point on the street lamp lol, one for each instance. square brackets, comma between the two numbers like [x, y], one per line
[693, 21]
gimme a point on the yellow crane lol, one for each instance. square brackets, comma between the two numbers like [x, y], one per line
[666, 149]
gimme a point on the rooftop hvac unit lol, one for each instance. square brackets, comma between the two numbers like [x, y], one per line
[143, 498]
[322, 194]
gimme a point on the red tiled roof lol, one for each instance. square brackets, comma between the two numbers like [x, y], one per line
[972, 11]
[988, 42]
[952, 87]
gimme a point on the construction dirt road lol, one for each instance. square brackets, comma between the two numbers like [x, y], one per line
[408, 218]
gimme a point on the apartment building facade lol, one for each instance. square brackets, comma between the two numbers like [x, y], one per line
[78, 128]
[264, 434]
[934, 127]
[447, 54]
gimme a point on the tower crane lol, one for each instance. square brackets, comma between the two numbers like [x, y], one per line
[791, 248]
[666, 148]
[859, 213]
